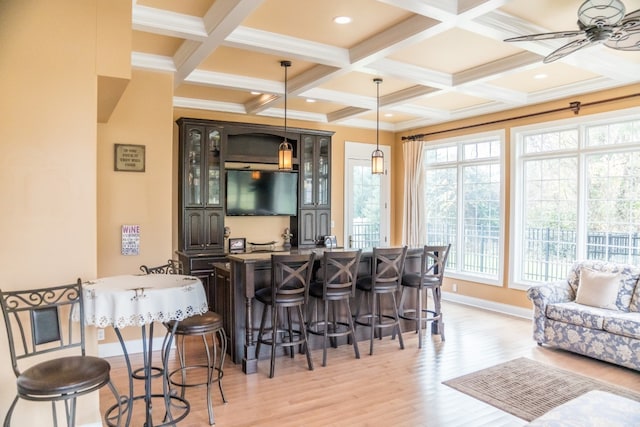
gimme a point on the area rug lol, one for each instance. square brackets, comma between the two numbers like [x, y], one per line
[528, 389]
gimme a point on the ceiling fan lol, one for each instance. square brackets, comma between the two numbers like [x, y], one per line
[600, 21]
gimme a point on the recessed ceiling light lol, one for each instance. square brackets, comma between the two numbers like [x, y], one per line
[342, 19]
[253, 92]
[540, 76]
[388, 115]
[311, 100]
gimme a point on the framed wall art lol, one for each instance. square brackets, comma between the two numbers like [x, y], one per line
[129, 158]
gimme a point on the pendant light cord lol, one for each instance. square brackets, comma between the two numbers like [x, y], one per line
[378, 114]
[377, 81]
[285, 64]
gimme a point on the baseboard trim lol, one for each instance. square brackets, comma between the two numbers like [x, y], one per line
[488, 305]
[133, 347]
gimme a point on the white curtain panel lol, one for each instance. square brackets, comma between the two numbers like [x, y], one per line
[414, 230]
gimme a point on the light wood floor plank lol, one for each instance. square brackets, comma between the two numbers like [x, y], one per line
[392, 387]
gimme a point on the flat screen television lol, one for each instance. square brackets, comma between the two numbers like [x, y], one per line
[261, 192]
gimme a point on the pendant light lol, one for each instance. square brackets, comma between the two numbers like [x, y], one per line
[377, 157]
[285, 150]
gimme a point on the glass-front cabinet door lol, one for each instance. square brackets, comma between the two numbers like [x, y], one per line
[315, 171]
[203, 178]
[193, 168]
[214, 196]
[307, 171]
[323, 173]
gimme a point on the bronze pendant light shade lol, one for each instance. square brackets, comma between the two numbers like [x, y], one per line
[285, 150]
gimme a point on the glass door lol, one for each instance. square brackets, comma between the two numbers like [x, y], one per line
[366, 199]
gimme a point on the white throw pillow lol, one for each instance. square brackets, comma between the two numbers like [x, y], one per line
[598, 289]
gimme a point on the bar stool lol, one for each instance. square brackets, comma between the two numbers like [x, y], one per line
[339, 273]
[204, 325]
[432, 264]
[387, 266]
[290, 277]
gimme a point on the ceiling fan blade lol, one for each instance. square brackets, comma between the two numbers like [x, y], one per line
[627, 34]
[631, 20]
[624, 40]
[545, 36]
[566, 50]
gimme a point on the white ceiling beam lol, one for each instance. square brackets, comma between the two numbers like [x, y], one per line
[405, 33]
[147, 61]
[166, 23]
[290, 47]
[220, 20]
[234, 81]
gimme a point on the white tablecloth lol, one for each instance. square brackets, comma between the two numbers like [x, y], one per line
[136, 300]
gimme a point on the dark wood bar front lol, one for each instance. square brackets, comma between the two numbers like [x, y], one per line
[251, 271]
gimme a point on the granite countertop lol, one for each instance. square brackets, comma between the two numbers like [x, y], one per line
[266, 255]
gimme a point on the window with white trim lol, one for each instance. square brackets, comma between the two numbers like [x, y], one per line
[464, 204]
[576, 195]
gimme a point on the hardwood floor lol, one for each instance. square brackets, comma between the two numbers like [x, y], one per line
[392, 387]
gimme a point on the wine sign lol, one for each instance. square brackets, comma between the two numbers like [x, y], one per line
[130, 240]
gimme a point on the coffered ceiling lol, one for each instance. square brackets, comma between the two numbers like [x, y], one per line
[440, 60]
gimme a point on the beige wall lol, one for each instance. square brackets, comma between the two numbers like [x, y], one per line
[47, 168]
[143, 117]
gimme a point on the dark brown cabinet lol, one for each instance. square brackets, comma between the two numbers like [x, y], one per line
[201, 187]
[224, 301]
[314, 200]
[204, 147]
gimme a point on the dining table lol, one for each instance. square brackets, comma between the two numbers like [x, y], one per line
[139, 300]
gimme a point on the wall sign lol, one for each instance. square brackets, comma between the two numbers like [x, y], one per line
[130, 240]
[129, 158]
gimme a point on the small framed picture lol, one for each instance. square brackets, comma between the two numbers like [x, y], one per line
[237, 245]
[129, 158]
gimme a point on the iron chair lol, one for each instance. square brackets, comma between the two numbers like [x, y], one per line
[171, 267]
[387, 266]
[47, 321]
[432, 265]
[290, 278]
[209, 324]
[338, 273]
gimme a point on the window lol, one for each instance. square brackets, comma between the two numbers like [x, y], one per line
[463, 197]
[576, 195]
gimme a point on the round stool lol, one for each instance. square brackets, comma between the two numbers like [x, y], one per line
[204, 325]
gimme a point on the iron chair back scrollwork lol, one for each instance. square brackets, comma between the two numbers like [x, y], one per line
[171, 267]
[50, 321]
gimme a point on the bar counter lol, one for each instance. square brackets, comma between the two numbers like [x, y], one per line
[251, 271]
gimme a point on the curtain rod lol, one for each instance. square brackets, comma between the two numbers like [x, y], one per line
[573, 106]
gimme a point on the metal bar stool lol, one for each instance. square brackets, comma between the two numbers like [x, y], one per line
[339, 272]
[387, 266]
[204, 325]
[290, 277]
[433, 261]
